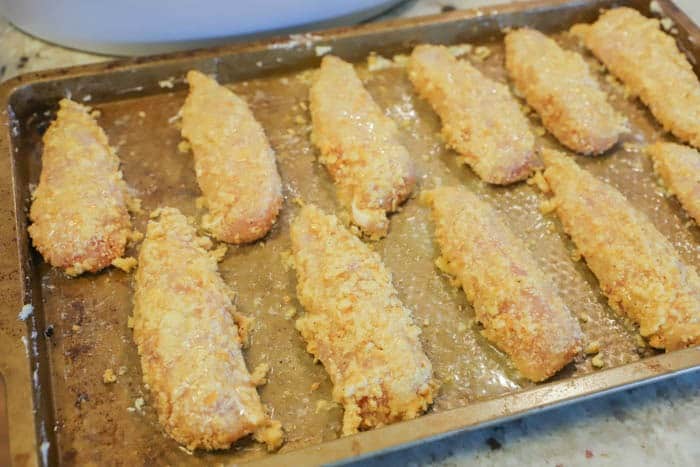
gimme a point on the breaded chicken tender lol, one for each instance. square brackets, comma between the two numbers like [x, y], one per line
[481, 120]
[679, 168]
[359, 146]
[648, 62]
[189, 344]
[519, 306]
[559, 86]
[79, 215]
[235, 165]
[636, 266]
[356, 325]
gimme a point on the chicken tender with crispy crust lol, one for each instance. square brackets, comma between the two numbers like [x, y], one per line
[648, 62]
[481, 120]
[518, 306]
[356, 325]
[235, 165]
[679, 168]
[189, 344]
[636, 266]
[359, 146]
[559, 86]
[79, 215]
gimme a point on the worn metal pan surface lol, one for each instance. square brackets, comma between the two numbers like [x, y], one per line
[58, 409]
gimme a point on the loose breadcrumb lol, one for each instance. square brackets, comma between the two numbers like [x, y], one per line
[481, 53]
[184, 146]
[125, 264]
[539, 181]
[548, 205]
[109, 377]
[592, 348]
[324, 406]
[290, 313]
[287, 260]
[259, 375]
[219, 253]
[377, 62]
[598, 361]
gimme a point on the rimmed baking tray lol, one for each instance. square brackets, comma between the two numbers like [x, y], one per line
[59, 411]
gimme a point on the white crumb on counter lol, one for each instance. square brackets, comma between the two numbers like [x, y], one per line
[322, 50]
[45, 452]
[167, 83]
[25, 341]
[25, 312]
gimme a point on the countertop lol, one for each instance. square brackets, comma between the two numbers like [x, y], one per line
[656, 424]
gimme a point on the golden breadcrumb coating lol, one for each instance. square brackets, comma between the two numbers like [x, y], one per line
[356, 325]
[636, 266]
[79, 215]
[559, 86]
[679, 168]
[359, 146]
[481, 120]
[648, 61]
[235, 165]
[189, 344]
[519, 306]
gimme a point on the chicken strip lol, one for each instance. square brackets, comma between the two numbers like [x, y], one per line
[519, 306]
[189, 344]
[235, 165]
[559, 86]
[679, 168]
[648, 61]
[359, 146]
[79, 215]
[356, 325]
[481, 120]
[637, 268]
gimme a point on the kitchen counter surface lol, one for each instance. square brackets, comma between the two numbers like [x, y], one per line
[656, 424]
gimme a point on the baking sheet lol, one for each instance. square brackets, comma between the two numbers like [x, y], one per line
[84, 320]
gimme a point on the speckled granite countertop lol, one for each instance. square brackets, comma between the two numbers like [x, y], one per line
[656, 424]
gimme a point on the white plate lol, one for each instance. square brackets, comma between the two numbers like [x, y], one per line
[139, 27]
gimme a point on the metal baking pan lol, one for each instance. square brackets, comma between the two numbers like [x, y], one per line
[59, 411]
